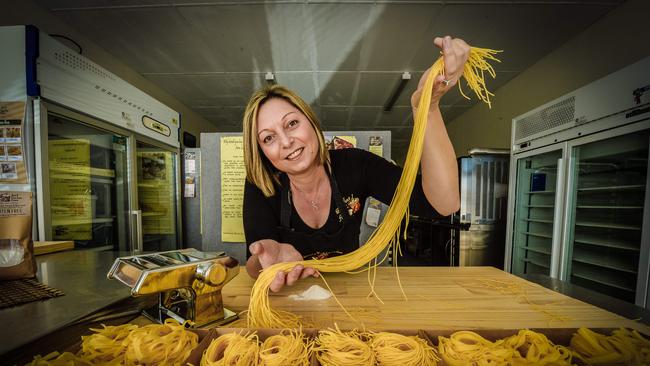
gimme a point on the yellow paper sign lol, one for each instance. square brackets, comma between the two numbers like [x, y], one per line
[70, 195]
[233, 175]
[156, 192]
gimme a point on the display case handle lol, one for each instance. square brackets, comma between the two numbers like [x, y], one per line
[557, 220]
[137, 247]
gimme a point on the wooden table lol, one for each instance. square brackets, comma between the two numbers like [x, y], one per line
[443, 298]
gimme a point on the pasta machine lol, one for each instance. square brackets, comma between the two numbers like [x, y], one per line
[188, 283]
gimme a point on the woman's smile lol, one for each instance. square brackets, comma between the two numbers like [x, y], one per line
[295, 155]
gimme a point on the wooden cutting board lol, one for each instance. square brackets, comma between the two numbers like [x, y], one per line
[46, 247]
[446, 298]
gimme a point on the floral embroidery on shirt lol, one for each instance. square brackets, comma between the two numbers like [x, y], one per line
[323, 255]
[353, 204]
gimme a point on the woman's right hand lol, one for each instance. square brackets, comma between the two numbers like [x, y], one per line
[270, 252]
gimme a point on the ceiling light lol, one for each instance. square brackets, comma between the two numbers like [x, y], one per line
[270, 78]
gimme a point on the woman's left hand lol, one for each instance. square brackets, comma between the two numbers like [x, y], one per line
[455, 52]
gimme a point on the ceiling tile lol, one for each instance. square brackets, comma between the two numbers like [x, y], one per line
[301, 83]
[337, 34]
[226, 119]
[336, 87]
[334, 118]
[226, 89]
[388, 43]
[375, 88]
[363, 118]
[397, 117]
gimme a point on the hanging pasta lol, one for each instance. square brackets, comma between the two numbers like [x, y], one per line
[623, 347]
[232, 349]
[336, 348]
[260, 313]
[290, 347]
[397, 349]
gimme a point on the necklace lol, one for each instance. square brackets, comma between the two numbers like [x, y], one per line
[315, 202]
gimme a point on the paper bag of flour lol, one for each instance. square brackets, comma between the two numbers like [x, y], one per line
[16, 246]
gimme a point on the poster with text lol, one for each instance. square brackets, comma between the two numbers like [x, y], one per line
[12, 143]
[70, 193]
[156, 192]
[233, 175]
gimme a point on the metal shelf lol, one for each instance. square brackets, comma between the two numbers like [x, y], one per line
[539, 192]
[613, 263]
[607, 226]
[609, 243]
[541, 235]
[611, 188]
[543, 221]
[98, 220]
[77, 177]
[153, 214]
[606, 283]
[536, 250]
[543, 265]
[551, 168]
[612, 207]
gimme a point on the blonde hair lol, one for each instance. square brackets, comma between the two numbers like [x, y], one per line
[259, 169]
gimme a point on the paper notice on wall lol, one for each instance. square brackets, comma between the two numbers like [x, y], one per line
[189, 180]
[376, 145]
[156, 192]
[233, 175]
[12, 143]
[373, 212]
[70, 193]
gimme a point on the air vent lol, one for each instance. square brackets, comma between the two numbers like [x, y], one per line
[553, 116]
[78, 62]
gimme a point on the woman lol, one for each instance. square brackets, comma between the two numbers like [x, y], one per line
[303, 201]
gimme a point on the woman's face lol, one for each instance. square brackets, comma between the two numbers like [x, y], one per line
[286, 136]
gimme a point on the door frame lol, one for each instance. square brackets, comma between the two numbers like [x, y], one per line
[513, 186]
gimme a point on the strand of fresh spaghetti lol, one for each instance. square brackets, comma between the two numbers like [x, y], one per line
[261, 314]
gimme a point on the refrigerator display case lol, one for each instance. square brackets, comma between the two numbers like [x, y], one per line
[580, 203]
[483, 203]
[101, 156]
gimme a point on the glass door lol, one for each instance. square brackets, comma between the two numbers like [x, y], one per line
[606, 202]
[157, 197]
[536, 225]
[87, 173]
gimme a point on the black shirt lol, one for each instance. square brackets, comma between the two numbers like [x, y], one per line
[358, 174]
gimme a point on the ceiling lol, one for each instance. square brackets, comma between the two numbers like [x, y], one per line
[343, 57]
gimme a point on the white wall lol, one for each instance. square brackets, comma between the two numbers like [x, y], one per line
[16, 12]
[618, 39]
